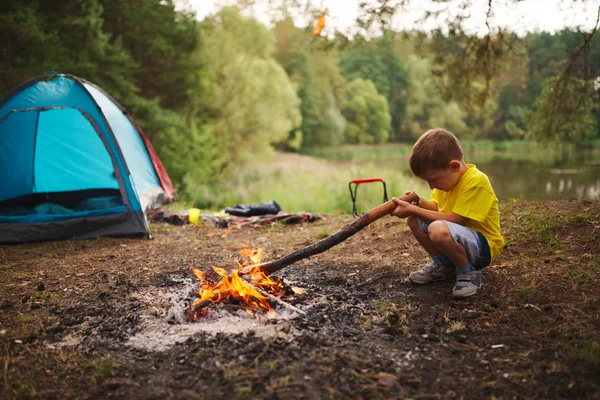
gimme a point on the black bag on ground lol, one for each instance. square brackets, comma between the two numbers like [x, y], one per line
[250, 210]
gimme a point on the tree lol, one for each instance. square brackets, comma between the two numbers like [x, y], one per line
[38, 37]
[315, 73]
[377, 61]
[162, 41]
[366, 112]
[252, 103]
[566, 109]
[425, 106]
[468, 61]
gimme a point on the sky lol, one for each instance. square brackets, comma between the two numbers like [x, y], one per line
[523, 16]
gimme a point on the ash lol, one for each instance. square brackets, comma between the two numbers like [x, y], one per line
[164, 323]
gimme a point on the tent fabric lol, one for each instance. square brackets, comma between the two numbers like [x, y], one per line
[73, 164]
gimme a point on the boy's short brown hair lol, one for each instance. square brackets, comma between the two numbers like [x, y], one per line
[434, 150]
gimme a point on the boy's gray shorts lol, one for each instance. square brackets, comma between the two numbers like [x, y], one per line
[476, 245]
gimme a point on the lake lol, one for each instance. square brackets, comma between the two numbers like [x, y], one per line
[551, 175]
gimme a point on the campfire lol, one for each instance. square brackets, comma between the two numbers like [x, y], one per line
[255, 292]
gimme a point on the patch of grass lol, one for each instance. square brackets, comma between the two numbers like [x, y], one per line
[104, 368]
[456, 326]
[545, 229]
[384, 307]
[587, 350]
[592, 218]
[526, 291]
[44, 294]
[323, 232]
[581, 275]
[7, 273]
[19, 388]
[305, 184]
[25, 319]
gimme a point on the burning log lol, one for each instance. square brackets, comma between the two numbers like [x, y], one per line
[226, 292]
[282, 303]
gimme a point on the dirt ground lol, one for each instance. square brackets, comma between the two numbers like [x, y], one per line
[105, 318]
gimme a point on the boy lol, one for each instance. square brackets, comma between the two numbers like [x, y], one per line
[459, 225]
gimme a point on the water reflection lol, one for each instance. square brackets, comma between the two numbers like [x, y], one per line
[527, 180]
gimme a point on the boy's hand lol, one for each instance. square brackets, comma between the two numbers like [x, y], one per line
[402, 208]
[411, 197]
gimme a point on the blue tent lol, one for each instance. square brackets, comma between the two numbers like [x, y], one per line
[73, 164]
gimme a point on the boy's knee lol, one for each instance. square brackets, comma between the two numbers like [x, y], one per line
[439, 232]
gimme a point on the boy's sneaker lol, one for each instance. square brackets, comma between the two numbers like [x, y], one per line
[467, 284]
[432, 272]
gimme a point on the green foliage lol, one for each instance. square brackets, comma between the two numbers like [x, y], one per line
[37, 37]
[565, 110]
[366, 112]
[315, 73]
[425, 106]
[377, 61]
[161, 41]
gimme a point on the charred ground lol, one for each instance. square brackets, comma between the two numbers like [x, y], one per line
[68, 309]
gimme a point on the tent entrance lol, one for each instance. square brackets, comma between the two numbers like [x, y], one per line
[55, 166]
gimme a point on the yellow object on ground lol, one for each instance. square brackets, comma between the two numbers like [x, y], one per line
[194, 215]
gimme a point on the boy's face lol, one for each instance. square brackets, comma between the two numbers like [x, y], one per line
[443, 179]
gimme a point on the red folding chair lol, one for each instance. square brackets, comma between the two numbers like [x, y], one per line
[354, 192]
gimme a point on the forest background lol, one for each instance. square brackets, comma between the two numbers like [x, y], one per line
[221, 97]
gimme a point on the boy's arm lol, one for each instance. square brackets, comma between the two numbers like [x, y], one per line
[427, 204]
[405, 209]
[431, 215]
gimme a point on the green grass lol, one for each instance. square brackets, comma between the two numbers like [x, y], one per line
[104, 368]
[319, 182]
[305, 184]
[18, 387]
[586, 350]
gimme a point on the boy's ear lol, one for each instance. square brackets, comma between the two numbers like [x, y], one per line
[455, 165]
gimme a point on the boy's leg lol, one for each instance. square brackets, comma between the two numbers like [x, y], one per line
[439, 268]
[416, 227]
[441, 238]
[468, 250]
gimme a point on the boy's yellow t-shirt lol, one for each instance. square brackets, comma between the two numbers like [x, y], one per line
[474, 198]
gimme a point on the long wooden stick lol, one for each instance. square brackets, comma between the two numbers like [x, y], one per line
[330, 241]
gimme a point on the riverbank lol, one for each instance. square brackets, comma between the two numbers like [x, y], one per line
[73, 315]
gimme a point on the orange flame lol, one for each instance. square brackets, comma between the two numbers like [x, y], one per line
[233, 286]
